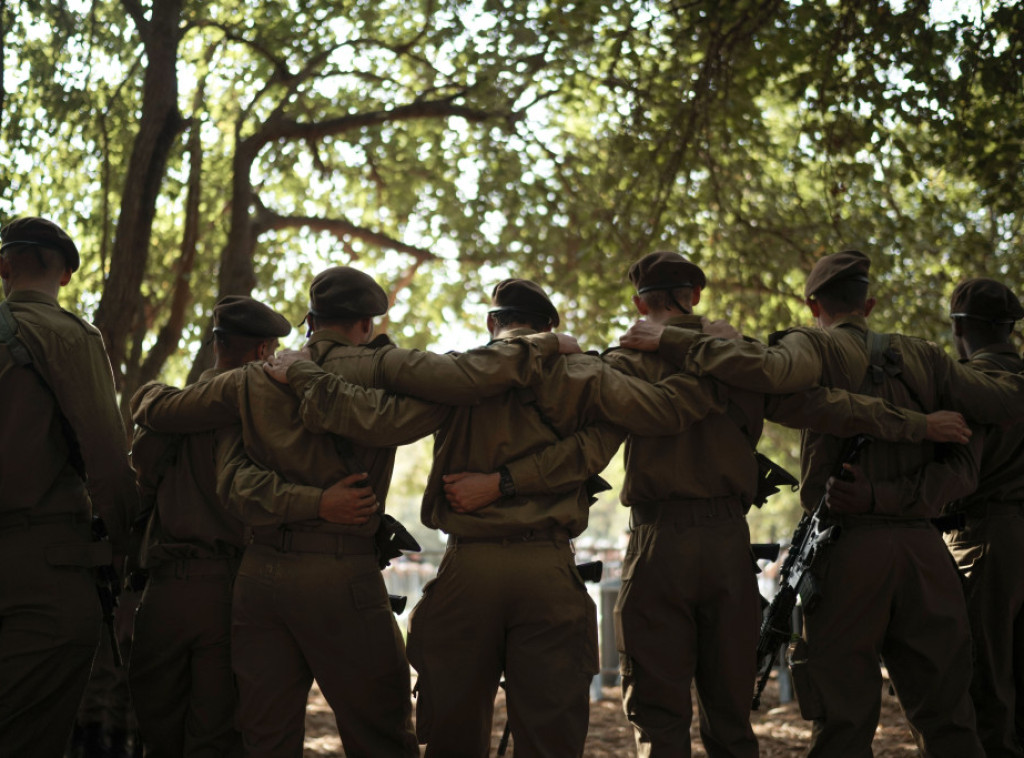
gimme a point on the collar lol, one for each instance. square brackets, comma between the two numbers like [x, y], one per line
[860, 323]
[32, 296]
[685, 321]
[508, 334]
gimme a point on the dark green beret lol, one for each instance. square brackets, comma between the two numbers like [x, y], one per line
[985, 299]
[665, 270]
[238, 314]
[342, 292]
[524, 296]
[849, 264]
[32, 230]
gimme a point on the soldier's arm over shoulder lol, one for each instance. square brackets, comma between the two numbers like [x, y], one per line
[199, 407]
[465, 378]
[791, 364]
[366, 415]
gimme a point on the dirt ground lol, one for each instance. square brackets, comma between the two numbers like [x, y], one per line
[780, 730]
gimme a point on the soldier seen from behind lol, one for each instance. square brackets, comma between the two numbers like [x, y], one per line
[63, 459]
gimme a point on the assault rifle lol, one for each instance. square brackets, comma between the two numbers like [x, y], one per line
[813, 535]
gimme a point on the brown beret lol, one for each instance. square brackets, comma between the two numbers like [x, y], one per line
[237, 314]
[343, 292]
[524, 296]
[664, 271]
[32, 230]
[985, 299]
[849, 264]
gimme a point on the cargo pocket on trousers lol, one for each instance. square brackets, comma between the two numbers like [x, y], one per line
[811, 707]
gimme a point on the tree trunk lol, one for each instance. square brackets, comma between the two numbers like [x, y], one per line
[121, 307]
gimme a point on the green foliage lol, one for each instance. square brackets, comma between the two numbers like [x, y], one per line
[443, 145]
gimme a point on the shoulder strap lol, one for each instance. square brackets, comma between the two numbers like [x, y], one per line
[883, 358]
[8, 335]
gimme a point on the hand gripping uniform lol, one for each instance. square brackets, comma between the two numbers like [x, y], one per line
[888, 590]
[63, 457]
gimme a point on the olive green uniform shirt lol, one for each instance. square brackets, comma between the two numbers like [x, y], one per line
[70, 377]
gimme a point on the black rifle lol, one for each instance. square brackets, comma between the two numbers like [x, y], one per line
[813, 535]
[590, 572]
[108, 587]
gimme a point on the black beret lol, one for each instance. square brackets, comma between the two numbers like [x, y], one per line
[32, 230]
[848, 264]
[344, 293]
[665, 271]
[524, 296]
[238, 314]
[985, 299]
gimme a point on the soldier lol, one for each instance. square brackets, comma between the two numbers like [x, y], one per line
[63, 456]
[987, 546]
[180, 671]
[889, 590]
[309, 599]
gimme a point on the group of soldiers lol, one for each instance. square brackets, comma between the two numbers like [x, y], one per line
[261, 528]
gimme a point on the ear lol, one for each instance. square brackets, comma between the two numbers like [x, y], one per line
[958, 327]
[869, 305]
[490, 324]
[641, 305]
[65, 277]
[695, 297]
[815, 307]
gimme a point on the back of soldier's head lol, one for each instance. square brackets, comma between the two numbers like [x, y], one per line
[241, 325]
[839, 282]
[36, 249]
[341, 295]
[520, 302]
[985, 309]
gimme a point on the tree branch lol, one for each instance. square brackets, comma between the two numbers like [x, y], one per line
[267, 219]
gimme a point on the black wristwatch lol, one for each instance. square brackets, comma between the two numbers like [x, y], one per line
[506, 486]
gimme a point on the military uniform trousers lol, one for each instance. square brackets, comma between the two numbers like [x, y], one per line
[988, 552]
[180, 671]
[299, 615]
[689, 610]
[889, 591]
[50, 622]
[518, 607]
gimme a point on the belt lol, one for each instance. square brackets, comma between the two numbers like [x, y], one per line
[327, 543]
[686, 511]
[23, 519]
[192, 568]
[555, 534]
